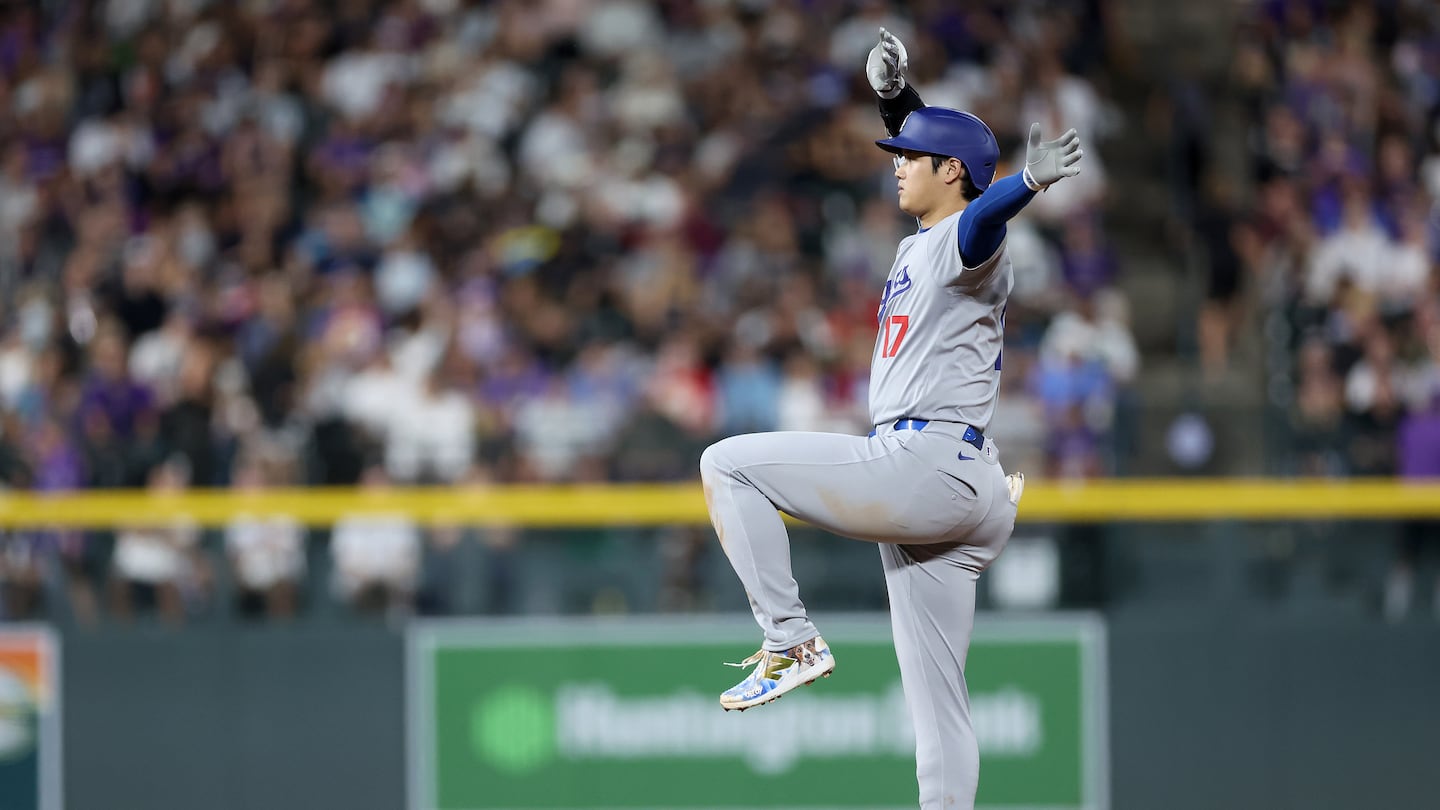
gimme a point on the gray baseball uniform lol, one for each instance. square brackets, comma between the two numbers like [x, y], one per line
[935, 497]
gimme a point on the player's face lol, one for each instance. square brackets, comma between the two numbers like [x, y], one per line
[920, 186]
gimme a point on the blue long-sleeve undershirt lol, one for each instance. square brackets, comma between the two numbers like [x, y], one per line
[982, 228]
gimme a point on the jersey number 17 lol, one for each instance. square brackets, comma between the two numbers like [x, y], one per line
[895, 328]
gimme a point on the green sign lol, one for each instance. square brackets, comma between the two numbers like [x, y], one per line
[608, 714]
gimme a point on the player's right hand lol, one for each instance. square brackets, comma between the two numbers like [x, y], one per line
[886, 65]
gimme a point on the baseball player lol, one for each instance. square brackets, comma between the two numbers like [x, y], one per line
[926, 484]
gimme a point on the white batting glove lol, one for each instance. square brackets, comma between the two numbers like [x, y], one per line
[1046, 162]
[886, 65]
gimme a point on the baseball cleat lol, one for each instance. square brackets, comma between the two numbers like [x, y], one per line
[776, 673]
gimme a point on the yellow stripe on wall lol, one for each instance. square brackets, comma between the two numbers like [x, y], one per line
[653, 505]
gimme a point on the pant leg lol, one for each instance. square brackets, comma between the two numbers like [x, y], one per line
[754, 538]
[932, 614]
[882, 489]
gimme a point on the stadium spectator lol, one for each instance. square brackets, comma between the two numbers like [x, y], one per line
[1086, 357]
[376, 557]
[1419, 449]
[431, 435]
[160, 566]
[1219, 234]
[267, 554]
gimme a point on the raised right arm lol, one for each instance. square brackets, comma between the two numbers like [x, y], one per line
[885, 68]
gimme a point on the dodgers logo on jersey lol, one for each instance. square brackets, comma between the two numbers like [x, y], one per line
[893, 288]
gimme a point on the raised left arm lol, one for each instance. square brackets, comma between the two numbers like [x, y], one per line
[982, 229]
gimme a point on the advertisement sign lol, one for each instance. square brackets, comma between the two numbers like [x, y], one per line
[601, 714]
[29, 719]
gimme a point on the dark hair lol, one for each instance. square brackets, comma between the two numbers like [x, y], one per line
[968, 189]
[967, 186]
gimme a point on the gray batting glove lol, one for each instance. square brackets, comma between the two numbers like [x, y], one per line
[1046, 162]
[886, 65]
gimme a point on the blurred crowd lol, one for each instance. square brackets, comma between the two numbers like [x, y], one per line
[1340, 240]
[1343, 234]
[430, 241]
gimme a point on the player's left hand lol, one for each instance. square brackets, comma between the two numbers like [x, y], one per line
[1047, 162]
[886, 65]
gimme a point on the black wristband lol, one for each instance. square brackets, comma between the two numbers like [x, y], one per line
[894, 110]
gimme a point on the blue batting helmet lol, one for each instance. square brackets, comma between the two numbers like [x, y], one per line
[949, 133]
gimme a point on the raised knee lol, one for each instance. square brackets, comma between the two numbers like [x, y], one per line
[713, 464]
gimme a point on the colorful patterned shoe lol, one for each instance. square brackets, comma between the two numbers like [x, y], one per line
[776, 673]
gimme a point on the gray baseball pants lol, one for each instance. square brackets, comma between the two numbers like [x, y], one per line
[940, 509]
